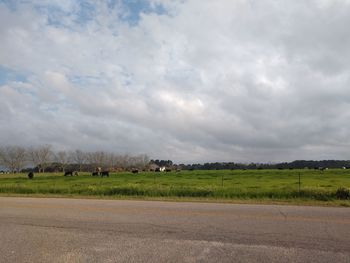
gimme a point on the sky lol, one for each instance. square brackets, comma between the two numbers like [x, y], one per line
[186, 80]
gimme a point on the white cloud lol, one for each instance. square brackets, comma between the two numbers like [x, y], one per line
[205, 81]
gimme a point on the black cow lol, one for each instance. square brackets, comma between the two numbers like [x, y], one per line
[104, 173]
[157, 169]
[94, 174]
[30, 175]
[68, 173]
[71, 173]
[167, 170]
[135, 171]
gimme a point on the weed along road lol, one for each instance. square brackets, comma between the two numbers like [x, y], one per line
[76, 230]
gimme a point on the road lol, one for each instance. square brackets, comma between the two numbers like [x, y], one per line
[77, 230]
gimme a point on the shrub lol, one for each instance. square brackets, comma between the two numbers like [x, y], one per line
[342, 193]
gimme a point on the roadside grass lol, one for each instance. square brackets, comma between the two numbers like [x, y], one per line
[245, 185]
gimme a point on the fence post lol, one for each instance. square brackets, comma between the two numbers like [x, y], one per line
[299, 182]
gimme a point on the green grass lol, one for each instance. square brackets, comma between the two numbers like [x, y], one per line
[268, 185]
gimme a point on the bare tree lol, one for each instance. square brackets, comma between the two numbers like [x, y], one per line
[97, 159]
[33, 157]
[40, 156]
[20, 158]
[62, 158]
[143, 161]
[13, 158]
[79, 158]
[6, 159]
[90, 159]
[120, 161]
[112, 160]
[139, 161]
[1, 156]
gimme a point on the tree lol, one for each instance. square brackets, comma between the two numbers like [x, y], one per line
[167, 163]
[40, 156]
[79, 157]
[13, 158]
[121, 161]
[96, 159]
[62, 159]
[111, 160]
[142, 161]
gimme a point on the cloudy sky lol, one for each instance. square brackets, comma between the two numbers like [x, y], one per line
[187, 80]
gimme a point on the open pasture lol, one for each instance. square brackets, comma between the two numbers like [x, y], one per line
[208, 184]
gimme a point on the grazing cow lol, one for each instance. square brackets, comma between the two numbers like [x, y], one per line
[157, 169]
[167, 170]
[68, 173]
[135, 171]
[71, 173]
[30, 175]
[104, 173]
[94, 174]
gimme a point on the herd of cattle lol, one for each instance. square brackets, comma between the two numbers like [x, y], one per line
[99, 172]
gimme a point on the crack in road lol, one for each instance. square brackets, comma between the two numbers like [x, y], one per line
[283, 214]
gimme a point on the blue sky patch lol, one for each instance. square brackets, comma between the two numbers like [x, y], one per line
[84, 11]
[8, 75]
[10, 4]
[134, 8]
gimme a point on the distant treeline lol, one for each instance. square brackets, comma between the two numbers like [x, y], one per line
[299, 164]
[43, 158]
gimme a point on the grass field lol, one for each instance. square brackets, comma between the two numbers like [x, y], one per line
[250, 185]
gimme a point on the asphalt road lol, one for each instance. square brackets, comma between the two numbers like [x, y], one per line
[75, 230]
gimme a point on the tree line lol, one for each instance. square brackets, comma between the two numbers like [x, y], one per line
[44, 159]
[298, 164]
